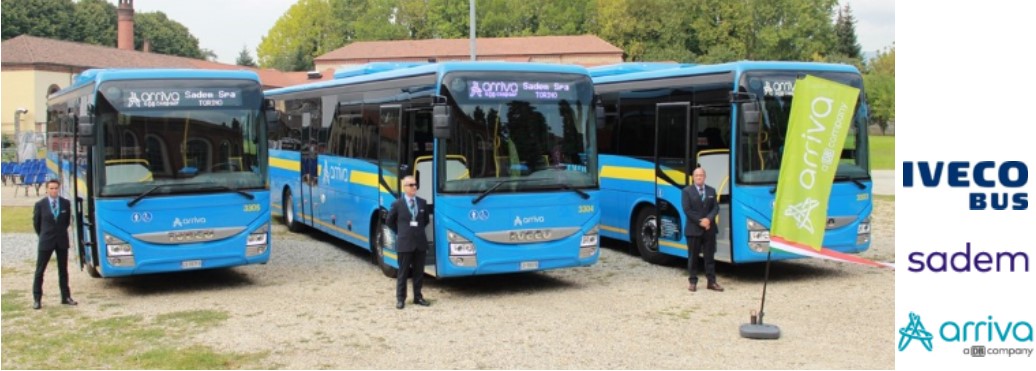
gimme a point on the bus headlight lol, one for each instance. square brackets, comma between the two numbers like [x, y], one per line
[116, 246]
[256, 243]
[462, 251]
[460, 245]
[589, 243]
[758, 236]
[863, 231]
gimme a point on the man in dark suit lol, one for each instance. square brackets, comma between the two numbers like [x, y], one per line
[408, 217]
[700, 206]
[50, 219]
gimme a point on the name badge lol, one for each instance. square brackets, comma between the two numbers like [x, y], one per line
[413, 223]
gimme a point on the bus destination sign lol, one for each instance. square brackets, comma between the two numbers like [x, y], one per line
[180, 98]
[524, 90]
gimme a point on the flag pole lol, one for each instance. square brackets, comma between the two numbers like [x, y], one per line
[755, 328]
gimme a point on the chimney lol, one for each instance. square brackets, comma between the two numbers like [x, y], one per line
[125, 24]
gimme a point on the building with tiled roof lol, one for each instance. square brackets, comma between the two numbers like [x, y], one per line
[33, 67]
[585, 50]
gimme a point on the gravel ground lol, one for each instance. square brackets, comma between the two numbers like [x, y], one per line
[319, 304]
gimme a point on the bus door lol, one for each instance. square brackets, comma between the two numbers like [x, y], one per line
[308, 154]
[417, 150]
[674, 140]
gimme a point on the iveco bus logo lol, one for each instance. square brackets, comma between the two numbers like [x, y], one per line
[530, 235]
[189, 236]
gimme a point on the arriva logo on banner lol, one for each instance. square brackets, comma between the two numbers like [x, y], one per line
[819, 122]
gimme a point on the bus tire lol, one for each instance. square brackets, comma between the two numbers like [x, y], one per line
[289, 213]
[645, 237]
[378, 249]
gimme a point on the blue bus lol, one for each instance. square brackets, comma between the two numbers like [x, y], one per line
[503, 152]
[658, 122]
[166, 169]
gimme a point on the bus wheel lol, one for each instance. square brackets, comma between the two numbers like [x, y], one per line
[289, 213]
[645, 237]
[378, 249]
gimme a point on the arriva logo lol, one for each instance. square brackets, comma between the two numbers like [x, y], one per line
[988, 331]
[520, 221]
[188, 221]
[914, 331]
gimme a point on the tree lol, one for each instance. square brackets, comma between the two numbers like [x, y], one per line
[166, 36]
[245, 58]
[845, 34]
[96, 22]
[307, 30]
[209, 55]
[880, 85]
[43, 18]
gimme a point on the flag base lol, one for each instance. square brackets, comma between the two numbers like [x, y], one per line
[760, 331]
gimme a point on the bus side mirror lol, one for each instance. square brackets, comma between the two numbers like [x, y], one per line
[85, 129]
[441, 121]
[751, 116]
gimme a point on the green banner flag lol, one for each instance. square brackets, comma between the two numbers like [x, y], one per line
[821, 114]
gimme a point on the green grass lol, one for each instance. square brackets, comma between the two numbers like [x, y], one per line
[16, 219]
[885, 197]
[59, 337]
[883, 152]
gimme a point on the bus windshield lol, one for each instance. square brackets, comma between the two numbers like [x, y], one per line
[519, 132]
[178, 136]
[760, 148]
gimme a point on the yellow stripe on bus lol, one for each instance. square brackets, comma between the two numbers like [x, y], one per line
[281, 163]
[614, 229]
[637, 173]
[363, 178]
[337, 228]
[675, 245]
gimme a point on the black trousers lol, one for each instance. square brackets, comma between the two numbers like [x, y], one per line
[706, 246]
[410, 262]
[42, 258]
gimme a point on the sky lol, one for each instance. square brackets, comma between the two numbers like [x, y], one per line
[227, 26]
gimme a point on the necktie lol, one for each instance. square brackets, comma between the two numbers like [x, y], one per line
[701, 192]
[413, 210]
[54, 208]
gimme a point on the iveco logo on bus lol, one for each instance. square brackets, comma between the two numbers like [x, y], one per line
[529, 235]
[178, 222]
[194, 235]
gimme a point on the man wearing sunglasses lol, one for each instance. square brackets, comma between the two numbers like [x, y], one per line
[407, 218]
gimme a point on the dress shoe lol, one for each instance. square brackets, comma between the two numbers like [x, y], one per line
[36, 304]
[400, 304]
[69, 301]
[715, 287]
[693, 287]
[422, 302]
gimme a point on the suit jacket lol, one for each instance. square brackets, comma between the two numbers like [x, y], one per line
[695, 209]
[408, 238]
[52, 232]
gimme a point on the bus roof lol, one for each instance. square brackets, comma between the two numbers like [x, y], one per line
[740, 66]
[385, 71]
[97, 76]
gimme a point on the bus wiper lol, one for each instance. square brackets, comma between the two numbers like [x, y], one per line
[567, 187]
[495, 186]
[857, 181]
[141, 196]
[137, 199]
